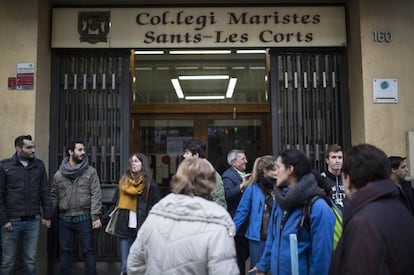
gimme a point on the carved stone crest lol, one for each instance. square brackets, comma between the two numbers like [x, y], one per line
[93, 27]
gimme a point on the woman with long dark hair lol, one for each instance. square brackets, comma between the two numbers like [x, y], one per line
[296, 187]
[137, 195]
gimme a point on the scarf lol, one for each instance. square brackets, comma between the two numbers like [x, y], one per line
[267, 185]
[129, 196]
[138, 184]
[73, 172]
[289, 198]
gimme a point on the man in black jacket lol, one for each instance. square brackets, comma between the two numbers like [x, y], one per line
[24, 189]
[334, 161]
[399, 170]
[377, 237]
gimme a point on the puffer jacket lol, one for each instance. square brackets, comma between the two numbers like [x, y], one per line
[23, 190]
[78, 197]
[185, 235]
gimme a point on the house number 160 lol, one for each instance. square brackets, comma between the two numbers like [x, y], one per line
[382, 36]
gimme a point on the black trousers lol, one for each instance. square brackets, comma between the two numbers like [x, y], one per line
[242, 251]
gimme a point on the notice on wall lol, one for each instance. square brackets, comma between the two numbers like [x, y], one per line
[25, 76]
[385, 90]
[11, 83]
[175, 145]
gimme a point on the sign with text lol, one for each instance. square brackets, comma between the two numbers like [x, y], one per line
[207, 27]
[385, 90]
[11, 83]
[25, 76]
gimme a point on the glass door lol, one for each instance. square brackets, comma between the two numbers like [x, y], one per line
[161, 138]
[227, 134]
[220, 96]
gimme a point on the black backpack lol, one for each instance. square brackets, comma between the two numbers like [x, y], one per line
[305, 219]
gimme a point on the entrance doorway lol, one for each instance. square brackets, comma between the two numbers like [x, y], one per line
[161, 138]
[120, 103]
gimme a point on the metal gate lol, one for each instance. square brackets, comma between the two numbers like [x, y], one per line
[309, 98]
[90, 102]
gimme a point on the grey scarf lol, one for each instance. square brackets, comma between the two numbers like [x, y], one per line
[73, 172]
[291, 198]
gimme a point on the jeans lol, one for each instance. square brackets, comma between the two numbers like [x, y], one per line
[25, 233]
[242, 252]
[256, 249]
[124, 246]
[67, 232]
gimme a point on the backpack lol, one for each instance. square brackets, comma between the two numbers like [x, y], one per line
[305, 220]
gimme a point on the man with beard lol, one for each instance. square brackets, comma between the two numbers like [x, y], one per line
[24, 188]
[76, 193]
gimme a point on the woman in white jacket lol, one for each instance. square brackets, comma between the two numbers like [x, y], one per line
[185, 233]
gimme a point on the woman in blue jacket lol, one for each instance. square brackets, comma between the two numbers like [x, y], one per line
[256, 205]
[297, 186]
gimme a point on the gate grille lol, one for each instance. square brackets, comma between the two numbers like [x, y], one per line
[90, 102]
[311, 103]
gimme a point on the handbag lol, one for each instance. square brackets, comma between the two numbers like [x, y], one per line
[113, 218]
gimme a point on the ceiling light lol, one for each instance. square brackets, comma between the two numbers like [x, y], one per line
[204, 97]
[180, 94]
[251, 51]
[202, 77]
[214, 68]
[257, 68]
[149, 52]
[238, 67]
[230, 88]
[202, 52]
[187, 68]
[177, 88]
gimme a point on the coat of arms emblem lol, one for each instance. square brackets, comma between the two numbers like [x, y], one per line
[93, 27]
